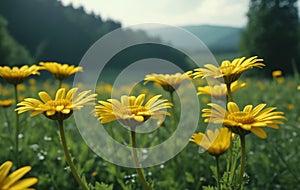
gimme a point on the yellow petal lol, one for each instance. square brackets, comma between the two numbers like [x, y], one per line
[138, 118]
[66, 111]
[259, 132]
[24, 183]
[44, 97]
[232, 107]
[71, 93]
[248, 108]
[4, 169]
[50, 112]
[139, 100]
[60, 94]
[197, 138]
[15, 176]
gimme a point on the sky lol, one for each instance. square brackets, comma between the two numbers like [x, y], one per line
[170, 12]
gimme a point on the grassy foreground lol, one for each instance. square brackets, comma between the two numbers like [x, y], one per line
[271, 163]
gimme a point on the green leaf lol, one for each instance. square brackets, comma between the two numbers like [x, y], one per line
[103, 186]
[89, 164]
[189, 177]
[208, 188]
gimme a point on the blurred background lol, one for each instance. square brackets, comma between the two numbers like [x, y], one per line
[53, 30]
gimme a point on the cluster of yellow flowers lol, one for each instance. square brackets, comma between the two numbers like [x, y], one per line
[133, 110]
[234, 121]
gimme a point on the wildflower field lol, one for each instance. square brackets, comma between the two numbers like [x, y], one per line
[51, 144]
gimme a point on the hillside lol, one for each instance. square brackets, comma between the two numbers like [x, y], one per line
[220, 39]
[51, 31]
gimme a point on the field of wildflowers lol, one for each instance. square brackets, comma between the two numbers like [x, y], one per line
[42, 148]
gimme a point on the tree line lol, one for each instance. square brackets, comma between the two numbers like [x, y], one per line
[45, 30]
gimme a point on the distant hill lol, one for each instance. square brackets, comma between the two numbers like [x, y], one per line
[219, 39]
[51, 31]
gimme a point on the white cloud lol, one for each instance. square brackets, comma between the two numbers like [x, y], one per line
[172, 12]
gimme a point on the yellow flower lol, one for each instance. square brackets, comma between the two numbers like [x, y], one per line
[130, 110]
[17, 75]
[6, 103]
[215, 142]
[280, 80]
[243, 122]
[220, 91]
[277, 73]
[14, 181]
[21, 87]
[290, 107]
[32, 81]
[228, 71]
[58, 109]
[60, 71]
[169, 82]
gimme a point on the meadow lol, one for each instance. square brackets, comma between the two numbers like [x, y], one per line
[272, 163]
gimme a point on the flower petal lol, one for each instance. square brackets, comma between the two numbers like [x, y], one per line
[259, 132]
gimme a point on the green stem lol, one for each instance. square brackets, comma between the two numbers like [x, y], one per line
[174, 120]
[59, 84]
[229, 93]
[233, 159]
[218, 172]
[17, 126]
[136, 161]
[243, 160]
[68, 157]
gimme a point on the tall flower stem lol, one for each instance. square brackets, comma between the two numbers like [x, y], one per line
[68, 157]
[243, 160]
[17, 126]
[218, 171]
[233, 159]
[136, 161]
[229, 93]
[174, 120]
[59, 84]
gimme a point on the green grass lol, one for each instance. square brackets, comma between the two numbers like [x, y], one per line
[271, 163]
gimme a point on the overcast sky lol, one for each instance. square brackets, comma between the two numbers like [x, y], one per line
[171, 12]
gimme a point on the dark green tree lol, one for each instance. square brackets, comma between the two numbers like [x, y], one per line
[52, 31]
[11, 52]
[272, 33]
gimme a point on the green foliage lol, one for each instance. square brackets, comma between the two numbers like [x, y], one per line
[271, 163]
[272, 33]
[11, 52]
[53, 32]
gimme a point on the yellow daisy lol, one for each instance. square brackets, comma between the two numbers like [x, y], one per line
[228, 71]
[59, 108]
[277, 73]
[60, 71]
[130, 110]
[215, 142]
[6, 103]
[14, 181]
[244, 121]
[220, 91]
[169, 82]
[16, 75]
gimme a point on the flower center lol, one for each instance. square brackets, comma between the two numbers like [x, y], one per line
[56, 103]
[226, 69]
[241, 117]
[135, 110]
